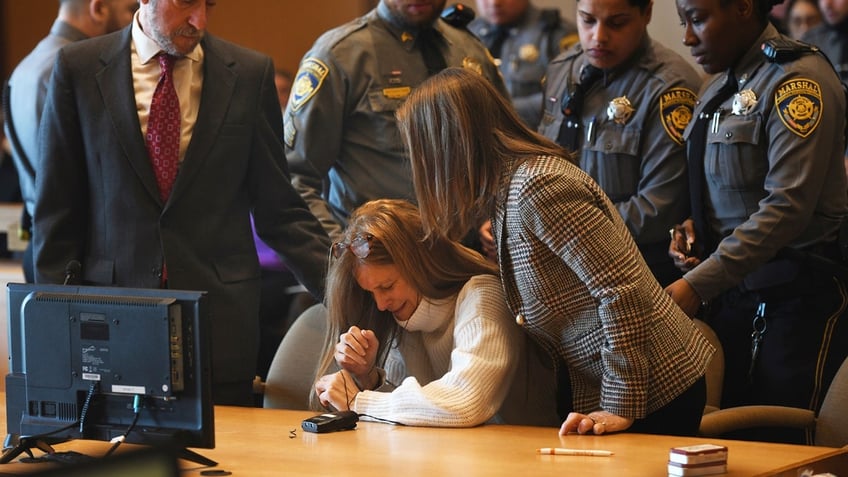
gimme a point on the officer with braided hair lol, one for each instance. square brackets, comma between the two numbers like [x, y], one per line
[767, 190]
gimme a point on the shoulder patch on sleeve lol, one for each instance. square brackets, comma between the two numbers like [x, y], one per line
[799, 105]
[308, 80]
[676, 106]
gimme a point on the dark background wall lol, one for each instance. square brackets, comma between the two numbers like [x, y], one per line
[283, 29]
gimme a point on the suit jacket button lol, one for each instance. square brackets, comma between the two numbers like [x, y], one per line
[519, 319]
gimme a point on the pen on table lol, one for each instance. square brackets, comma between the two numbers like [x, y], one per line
[583, 452]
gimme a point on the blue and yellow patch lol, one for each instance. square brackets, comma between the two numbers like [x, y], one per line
[308, 80]
[799, 105]
[676, 106]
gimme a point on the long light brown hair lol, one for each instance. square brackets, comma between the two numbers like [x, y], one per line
[460, 133]
[436, 268]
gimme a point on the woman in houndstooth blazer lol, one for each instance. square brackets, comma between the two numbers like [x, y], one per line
[571, 272]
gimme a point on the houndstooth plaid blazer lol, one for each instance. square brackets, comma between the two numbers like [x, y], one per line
[576, 281]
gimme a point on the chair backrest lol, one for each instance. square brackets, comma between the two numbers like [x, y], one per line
[292, 372]
[715, 370]
[832, 422]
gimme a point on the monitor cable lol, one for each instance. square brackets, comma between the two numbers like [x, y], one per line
[92, 388]
[118, 440]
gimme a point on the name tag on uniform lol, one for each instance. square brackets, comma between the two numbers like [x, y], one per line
[399, 92]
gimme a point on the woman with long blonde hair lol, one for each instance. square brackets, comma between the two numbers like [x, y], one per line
[419, 327]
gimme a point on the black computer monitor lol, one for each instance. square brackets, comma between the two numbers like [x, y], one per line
[89, 362]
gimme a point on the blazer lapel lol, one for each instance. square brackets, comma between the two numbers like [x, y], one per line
[219, 80]
[116, 87]
[504, 258]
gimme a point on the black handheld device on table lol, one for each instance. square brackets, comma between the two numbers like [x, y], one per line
[330, 421]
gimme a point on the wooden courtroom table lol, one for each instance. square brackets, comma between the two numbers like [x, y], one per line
[256, 443]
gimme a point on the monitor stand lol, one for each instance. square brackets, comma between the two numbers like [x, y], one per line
[193, 456]
[14, 445]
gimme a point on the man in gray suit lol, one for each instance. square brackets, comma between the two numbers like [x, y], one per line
[76, 20]
[100, 199]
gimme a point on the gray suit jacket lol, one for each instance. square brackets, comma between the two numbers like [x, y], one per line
[97, 199]
[572, 272]
[28, 85]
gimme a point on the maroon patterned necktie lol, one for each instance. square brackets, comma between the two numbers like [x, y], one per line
[163, 128]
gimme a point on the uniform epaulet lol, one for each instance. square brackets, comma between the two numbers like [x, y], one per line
[572, 51]
[334, 36]
[783, 50]
[458, 15]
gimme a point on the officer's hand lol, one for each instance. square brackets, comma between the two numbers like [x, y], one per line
[487, 241]
[685, 296]
[682, 246]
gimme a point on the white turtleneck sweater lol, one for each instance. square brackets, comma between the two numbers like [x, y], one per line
[455, 362]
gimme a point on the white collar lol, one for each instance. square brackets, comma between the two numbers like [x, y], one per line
[430, 315]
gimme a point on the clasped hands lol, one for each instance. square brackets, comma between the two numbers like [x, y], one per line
[595, 422]
[356, 354]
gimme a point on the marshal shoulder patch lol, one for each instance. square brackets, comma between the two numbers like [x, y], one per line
[308, 80]
[676, 106]
[799, 105]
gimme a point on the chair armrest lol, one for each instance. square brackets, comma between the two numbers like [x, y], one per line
[716, 423]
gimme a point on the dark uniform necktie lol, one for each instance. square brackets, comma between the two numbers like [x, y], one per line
[499, 35]
[428, 43]
[163, 128]
[572, 107]
[697, 152]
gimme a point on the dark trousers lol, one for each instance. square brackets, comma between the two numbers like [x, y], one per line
[239, 393]
[680, 417]
[28, 263]
[805, 342]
